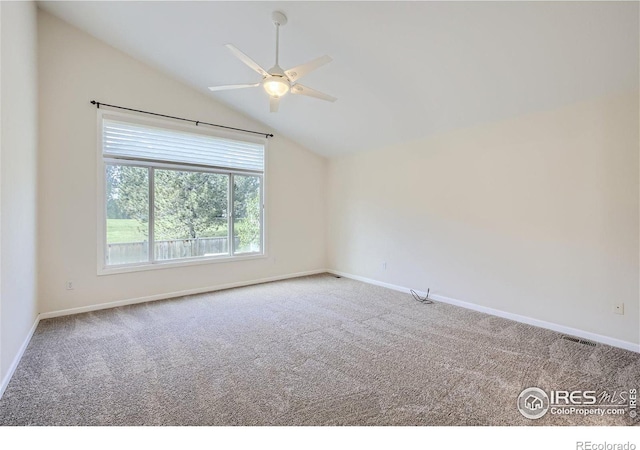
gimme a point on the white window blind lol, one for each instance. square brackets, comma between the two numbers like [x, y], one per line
[134, 141]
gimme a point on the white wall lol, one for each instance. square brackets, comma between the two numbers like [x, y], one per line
[536, 216]
[18, 178]
[75, 68]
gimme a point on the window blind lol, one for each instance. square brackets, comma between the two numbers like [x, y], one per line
[134, 141]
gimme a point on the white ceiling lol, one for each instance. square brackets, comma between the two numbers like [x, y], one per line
[401, 70]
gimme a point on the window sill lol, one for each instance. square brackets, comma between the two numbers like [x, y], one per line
[113, 270]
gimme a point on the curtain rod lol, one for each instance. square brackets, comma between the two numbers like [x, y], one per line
[197, 122]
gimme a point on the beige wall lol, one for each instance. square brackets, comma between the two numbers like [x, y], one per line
[18, 163]
[76, 68]
[536, 216]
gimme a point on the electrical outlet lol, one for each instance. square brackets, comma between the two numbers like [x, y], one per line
[618, 308]
[383, 266]
[69, 285]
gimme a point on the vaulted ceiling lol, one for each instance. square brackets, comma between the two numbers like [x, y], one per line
[401, 70]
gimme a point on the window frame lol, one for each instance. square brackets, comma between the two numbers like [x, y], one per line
[102, 162]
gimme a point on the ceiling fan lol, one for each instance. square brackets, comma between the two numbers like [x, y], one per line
[277, 82]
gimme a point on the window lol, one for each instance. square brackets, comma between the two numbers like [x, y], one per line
[177, 194]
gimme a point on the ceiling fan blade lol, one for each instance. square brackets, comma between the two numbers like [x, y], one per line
[233, 86]
[297, 72]
[248, 61]
[274, 102]
[299, 89]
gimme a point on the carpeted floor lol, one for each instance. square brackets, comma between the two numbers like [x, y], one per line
[316, 350]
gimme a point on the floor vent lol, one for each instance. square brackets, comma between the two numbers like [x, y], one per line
[579, 341]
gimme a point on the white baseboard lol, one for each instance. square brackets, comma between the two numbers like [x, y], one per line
[504, 314]
[150, 298]
[70, 311]
[18, 357]
[495, 312]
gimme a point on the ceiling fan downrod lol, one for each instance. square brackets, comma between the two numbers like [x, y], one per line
[279, 20]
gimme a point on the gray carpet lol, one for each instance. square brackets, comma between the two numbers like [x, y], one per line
[309, 351]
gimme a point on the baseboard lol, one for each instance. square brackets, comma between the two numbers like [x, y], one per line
[18, 357]
[494, 312]
[504, 314]
[150, 298]
[70, 311]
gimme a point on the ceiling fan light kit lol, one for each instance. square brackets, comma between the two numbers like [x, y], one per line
[276, 87]
[276, 81]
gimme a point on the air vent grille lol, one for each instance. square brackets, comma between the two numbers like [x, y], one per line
[579, 341]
